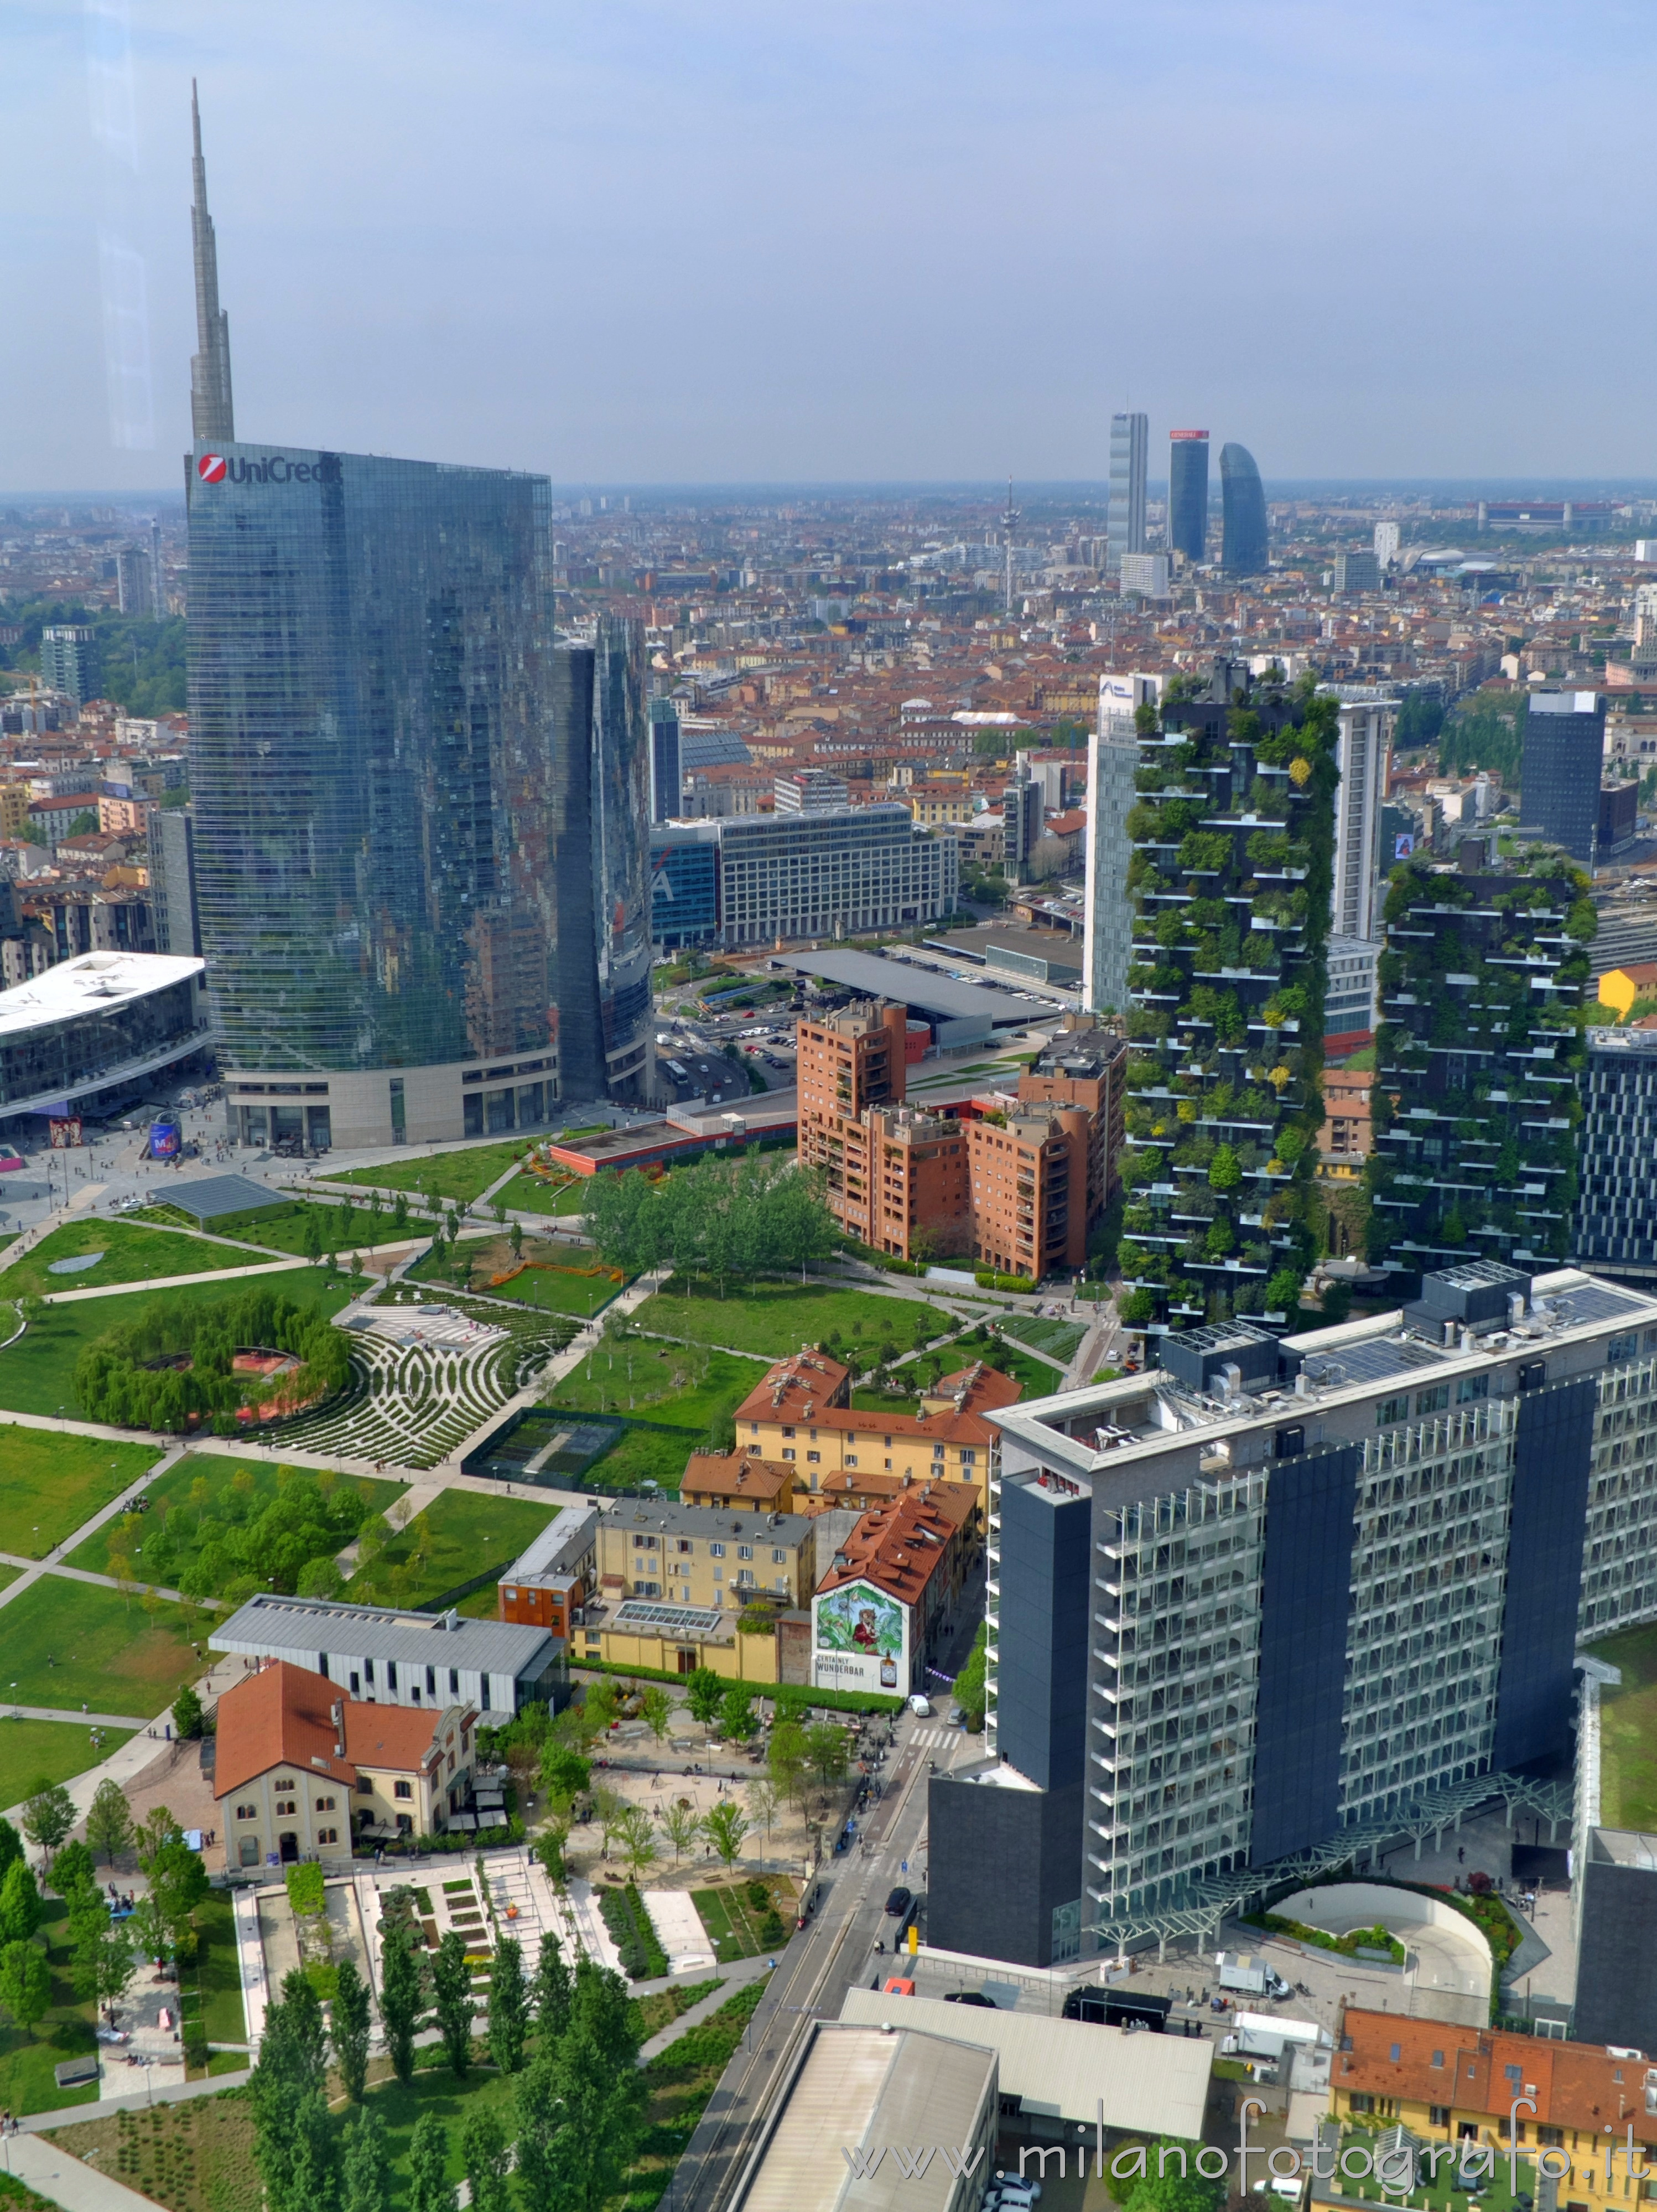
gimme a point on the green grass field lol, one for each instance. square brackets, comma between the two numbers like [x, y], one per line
[681, 1384]
[641, 1455]
[773, 1320]
[1628, 1731]
[732, 1920]
[65, 1644]
[132, 1254]
[466, 1534]
[174, 1488]
[534, 1194]
[561, 1287]
[52, 1751]
[459, 1175]
[37, 1373]
[49, 1483]
[282, 1227]
[211, 1994]
[1057, 1338]
[1038, 1378]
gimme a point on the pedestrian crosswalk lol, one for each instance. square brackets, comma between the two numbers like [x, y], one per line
[931, 1739]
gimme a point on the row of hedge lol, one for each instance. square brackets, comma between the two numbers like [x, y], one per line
[643, 1958]
[842, 1701]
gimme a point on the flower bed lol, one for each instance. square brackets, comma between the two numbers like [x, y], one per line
[1355, 1941]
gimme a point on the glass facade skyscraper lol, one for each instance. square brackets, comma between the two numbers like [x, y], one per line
[1242, 528]
[1187, 493]
[394, 764]
[1130, 439]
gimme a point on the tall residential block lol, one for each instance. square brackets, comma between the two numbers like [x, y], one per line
[1265, 1607]
[1129, 451]
[1560, 774]
[1616, 1223]
[171, 842]
[665, 773]
[1231, 875]
[1188, 494]
[1386, 543]
[1243, 533]
[136, 583]
[1022, 813]
[1367, 714]
[70, 661]
[1112, 757]
[1357, 572]
[1479, 1054]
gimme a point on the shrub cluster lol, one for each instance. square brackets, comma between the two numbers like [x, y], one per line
[128, 1377]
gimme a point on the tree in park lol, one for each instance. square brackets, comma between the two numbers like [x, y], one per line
[451, 1990]
[294, 2142]
[825, 1751]
[11, 1844]
[608, 1807]
[704, 1694]
[737, 1720]
[724, 1828]
[20, 1909]
[553, 1992]
[367, 2166]
[189, 1714]
[762, 1802]
[178, 1877]
[509, 2014]
[313, 1234]
[603, 1705]
[580, 2102]
[349, 2030]
[400, 2001]
[487, 2157]
[72, 1868]
[681, 1824]
[104, 1960]
[656, 1711]
[48, 1816]
[565, 1775]
[25, 1983]
[787, 1758]
[430, 2188]
[637, 1834]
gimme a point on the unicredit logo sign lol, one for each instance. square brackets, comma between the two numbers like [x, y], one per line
[220, 468]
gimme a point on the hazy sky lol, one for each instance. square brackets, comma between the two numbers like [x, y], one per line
[654, 241]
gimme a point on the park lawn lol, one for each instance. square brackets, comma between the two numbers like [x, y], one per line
[562, 1284]
[1057, 1338]
[772, 1320]
[535, 1194]
[49, 1483]
[173, 1488]
[211, 1997]
[196, 2156]
[681, 1385]
[27, 2057]
[662, 2009]
[37, 1372]
[282, 1227]
[1628, 1730]
[639, 1456]
[132, 1254]
[468, 1534]
[464, 1175]
[733, 1923]
[1039, 1379]
[64, 1644]
[52, 1750]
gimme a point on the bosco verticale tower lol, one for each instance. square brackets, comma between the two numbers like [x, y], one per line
[1232, 835]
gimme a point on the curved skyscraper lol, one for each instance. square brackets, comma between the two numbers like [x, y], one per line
[1187, 493]
[1243, 537]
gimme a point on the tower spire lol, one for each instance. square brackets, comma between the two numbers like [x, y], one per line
[212, 413]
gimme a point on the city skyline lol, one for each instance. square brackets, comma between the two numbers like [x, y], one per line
[381, 301]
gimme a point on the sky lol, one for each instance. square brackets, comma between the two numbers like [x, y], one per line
[691, 241]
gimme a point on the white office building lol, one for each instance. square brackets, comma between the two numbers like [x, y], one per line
[1348, 1000]
[1147, 574]
[1130, 445]
[1386, 544]
[835, 874]
[1113, 756]
[1367, 713]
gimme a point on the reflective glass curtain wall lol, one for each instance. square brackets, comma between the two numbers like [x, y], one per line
[1187, 493]
[371, 760]
[1242, 529]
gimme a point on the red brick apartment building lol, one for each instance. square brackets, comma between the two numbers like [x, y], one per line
[1017, 1193]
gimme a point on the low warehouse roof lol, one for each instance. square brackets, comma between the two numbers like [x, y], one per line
[923, 990]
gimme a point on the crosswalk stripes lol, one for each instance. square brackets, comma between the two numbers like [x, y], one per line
[932, 1738]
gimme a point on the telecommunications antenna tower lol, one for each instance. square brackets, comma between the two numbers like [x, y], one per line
[1009, 521]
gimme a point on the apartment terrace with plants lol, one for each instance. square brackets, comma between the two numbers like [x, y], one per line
[1231, 834]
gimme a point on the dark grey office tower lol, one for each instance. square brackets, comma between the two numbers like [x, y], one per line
[70, 660]
[172, 881]
[1187, 493]
[1616, 1223]
[389, 777]
[212, 412]
[1563, 756]
[665, 771]
[1242, 538]
[1130, 441]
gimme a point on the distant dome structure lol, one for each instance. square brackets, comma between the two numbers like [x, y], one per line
[1243, 537]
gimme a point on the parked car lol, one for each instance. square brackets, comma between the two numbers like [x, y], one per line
[969, 1997]
[898, 1902]
[921, 1705]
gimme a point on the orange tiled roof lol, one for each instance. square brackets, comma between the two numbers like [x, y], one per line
[900, 1547]
[281, 1716]
[797, 1390]
[1575, 2085]
[735, 1475]
[389, 1735]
